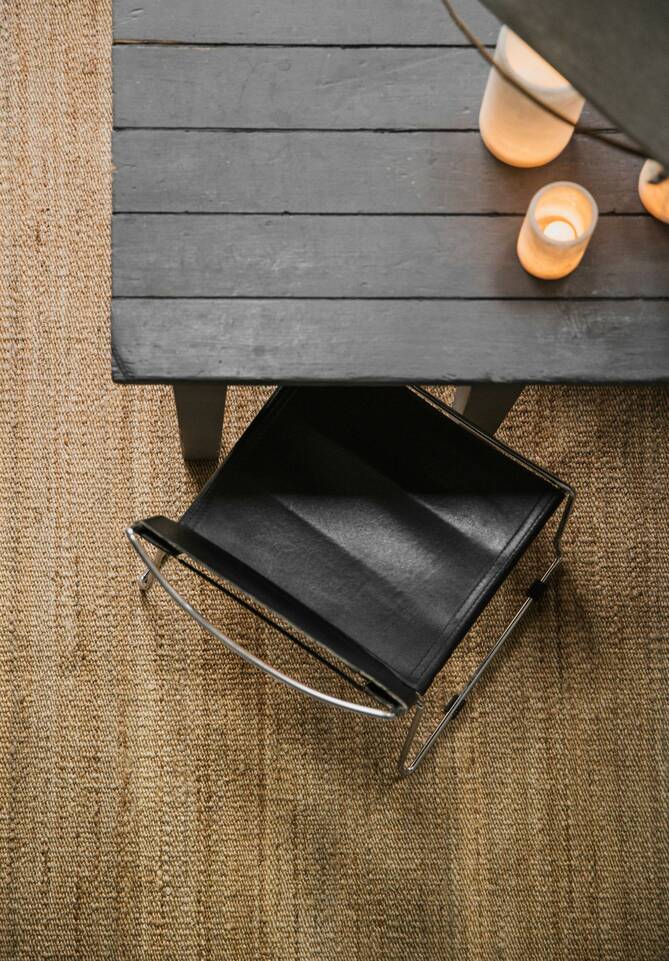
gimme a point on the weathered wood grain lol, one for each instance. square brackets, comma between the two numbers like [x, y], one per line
[333, 172]
[299, 87]
[242, 214]
[297, 21]
[390, 341]
[187, 255]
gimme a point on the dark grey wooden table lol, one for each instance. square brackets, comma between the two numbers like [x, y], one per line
[301, 195]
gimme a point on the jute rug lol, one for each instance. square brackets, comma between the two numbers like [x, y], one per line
[158, 800]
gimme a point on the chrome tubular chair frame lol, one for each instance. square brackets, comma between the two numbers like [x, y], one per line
[153, 572]
[455, 704]
[535, 592]
[393, 708]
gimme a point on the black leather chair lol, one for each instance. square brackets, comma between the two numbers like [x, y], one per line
[375, 520]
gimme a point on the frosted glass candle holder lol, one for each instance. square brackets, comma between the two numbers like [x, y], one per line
[513, 128]
[654, 196]
[556, 230]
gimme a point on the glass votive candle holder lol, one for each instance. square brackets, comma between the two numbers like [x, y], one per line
[654, 195]
[513, 128]
[556, 230]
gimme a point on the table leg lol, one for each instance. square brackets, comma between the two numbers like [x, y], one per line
[200, 409]
[486, 405]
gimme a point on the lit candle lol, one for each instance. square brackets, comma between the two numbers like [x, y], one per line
[654, 196]
[559, 230]
[513, 128]
[556, 230]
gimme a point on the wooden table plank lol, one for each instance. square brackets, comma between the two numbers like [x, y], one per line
[312, 211]
[333, 172]
[300, 87]
[445, 341]
[186, 255]
[297, 21]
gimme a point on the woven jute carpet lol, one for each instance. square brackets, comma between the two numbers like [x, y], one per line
[159, 800]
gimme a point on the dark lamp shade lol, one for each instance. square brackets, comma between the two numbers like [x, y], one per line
[614, 52]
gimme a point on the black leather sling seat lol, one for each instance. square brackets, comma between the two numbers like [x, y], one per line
[370, 520]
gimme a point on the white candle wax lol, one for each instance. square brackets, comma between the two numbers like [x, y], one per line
[559, 230]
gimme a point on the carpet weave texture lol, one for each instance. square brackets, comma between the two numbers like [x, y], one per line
[159, 800]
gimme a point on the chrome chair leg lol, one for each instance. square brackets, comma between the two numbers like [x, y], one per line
[146, 579]
[453, 707]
